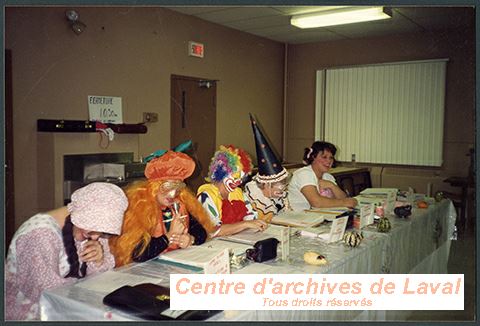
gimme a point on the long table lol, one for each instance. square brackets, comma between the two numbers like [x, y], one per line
[418, 244]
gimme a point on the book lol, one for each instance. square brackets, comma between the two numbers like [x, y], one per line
[250, 237]
[298, 219]
[213, 257]
[330, 213]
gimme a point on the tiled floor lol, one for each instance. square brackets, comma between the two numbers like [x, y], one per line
[461, 261]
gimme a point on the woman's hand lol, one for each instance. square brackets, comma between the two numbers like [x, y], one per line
[350, 202]
[258, 225]
[337, 192]
[182, 240]
[325, 184]
[92, 250]
[177, 226]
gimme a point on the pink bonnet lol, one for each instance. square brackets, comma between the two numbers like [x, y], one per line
[99, 207]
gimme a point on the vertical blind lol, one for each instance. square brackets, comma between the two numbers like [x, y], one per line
[389, 113]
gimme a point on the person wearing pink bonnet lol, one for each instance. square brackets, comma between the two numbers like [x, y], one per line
[61, 246]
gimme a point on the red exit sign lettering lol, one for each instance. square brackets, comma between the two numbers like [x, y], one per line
[195, 49]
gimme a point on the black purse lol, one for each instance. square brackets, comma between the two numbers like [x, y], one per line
[263, 250]
[150, 301]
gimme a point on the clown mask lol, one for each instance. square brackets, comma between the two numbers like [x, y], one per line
[233, 181]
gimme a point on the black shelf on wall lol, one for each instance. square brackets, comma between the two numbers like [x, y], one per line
[47, 125]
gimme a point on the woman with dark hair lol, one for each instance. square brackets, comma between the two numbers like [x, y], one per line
[61, 246]
[312, 185]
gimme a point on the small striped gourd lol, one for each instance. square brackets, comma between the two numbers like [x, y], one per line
[384, 225]
[352, 238]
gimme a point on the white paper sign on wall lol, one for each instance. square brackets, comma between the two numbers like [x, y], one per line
[106, 109]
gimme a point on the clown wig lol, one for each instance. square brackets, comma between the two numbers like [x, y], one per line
[227, 161]
[142, 216]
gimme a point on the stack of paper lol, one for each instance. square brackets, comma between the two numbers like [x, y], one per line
[388, 196]
[369, 199]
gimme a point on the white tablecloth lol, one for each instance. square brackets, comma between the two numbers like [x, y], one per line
[419, 244]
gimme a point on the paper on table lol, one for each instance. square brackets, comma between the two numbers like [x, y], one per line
[254, 268]
[366, 214]
[238, 248]
[111, 280]
[199, 256]
[261, 268]
[328, 214]
[314, 232]
[219, 264]
[194, 256]
[337, 230]
[301, 219]
[329, 210]
[251, 236]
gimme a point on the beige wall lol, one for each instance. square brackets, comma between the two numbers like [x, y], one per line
[129, 52]
[459, 46]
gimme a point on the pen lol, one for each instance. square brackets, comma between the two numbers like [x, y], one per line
[171, 219]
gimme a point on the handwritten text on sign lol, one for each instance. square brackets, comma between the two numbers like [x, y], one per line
[317, 292]
[106, 109]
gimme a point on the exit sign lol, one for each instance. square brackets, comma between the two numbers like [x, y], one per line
[195, 49]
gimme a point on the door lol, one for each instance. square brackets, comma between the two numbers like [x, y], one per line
[193, 117]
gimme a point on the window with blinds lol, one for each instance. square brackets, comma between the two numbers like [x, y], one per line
[388, 113]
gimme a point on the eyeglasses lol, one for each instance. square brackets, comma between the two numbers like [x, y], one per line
[171, 188]
[278, 186]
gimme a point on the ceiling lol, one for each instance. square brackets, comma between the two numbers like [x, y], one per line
[274, 22]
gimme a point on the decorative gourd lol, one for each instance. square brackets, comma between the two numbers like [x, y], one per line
[439, 195]
[384, 225]
[314, 258]
[352, 238]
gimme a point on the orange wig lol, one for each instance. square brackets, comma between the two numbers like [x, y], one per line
[142, 216]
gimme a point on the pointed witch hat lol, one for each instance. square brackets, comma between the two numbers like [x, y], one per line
[269, 167]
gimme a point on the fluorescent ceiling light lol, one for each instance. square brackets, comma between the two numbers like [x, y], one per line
[339, 17]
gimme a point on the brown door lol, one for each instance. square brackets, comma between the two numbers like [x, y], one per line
[193, 117]
[9, 194]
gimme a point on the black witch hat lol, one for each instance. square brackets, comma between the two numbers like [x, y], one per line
[269, 167]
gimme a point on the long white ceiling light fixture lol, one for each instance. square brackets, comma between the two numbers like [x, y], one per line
[340, 16]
